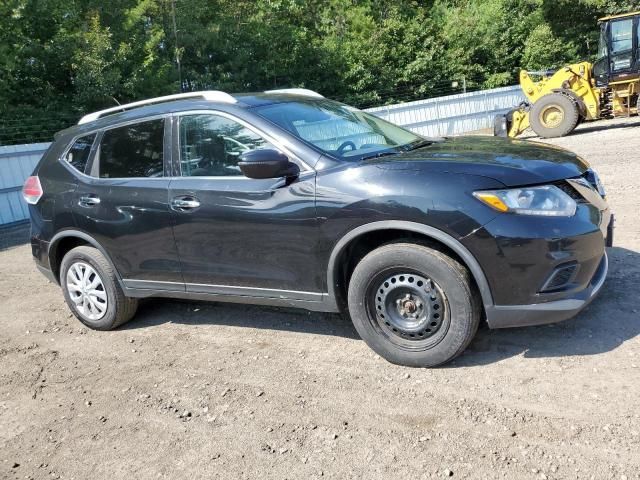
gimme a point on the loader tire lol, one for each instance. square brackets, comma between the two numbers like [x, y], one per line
[554, 115]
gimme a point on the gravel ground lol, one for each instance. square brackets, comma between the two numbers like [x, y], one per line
[195, 390]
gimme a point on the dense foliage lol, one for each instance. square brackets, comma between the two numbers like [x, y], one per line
[62, 57]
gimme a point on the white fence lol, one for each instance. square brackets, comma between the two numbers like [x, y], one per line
[454, 114]
[16, 164]
[451, 115]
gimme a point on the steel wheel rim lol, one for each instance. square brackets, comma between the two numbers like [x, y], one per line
[551, 116]
[86, 291]
[409, 309]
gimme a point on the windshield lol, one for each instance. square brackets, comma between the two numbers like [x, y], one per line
[340, 131]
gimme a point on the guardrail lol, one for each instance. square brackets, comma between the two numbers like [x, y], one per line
[454, 114]
[451, 115]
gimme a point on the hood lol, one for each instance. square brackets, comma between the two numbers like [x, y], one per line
[511, 162]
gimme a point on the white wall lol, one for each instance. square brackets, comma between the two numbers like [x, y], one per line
[454, 114]
[16, 164]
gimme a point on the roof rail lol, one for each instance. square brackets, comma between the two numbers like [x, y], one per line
[211, 95]
[296, 91]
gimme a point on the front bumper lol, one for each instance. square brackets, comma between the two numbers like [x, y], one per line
[504, 316]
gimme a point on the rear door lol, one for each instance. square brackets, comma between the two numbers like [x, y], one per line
[123, 204]
[236, 235]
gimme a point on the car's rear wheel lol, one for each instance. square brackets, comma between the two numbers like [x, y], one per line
[413, 305]
[92, 291]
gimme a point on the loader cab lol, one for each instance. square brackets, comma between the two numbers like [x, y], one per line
[618, 49]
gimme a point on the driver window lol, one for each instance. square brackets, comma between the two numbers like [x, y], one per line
[621, 36]
[211, 145]
[621, 44]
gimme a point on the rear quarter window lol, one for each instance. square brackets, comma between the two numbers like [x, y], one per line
[133, 151]
[78, 154]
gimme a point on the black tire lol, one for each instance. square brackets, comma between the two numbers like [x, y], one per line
[119, 309]
[449, 327]
[554, 115]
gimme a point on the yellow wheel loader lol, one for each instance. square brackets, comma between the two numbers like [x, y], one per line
[559, 100]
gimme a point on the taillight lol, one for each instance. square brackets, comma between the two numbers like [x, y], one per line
[32, 190]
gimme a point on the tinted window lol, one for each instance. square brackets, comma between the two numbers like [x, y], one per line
[133, 151]
[621, 44]
[210, 145]
[339, 130]
[78, 154]
[621, 35]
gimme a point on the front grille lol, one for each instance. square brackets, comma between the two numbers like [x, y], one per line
[560, 277]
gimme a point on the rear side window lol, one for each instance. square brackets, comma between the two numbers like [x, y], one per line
[133, 151]
[78, 154]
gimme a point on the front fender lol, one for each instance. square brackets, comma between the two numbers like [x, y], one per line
[426, 230]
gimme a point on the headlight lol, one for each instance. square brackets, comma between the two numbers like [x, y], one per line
[546, 201]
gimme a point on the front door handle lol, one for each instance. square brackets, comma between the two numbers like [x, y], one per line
[185, 203]
[89, 200]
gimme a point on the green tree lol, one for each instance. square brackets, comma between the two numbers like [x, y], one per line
[96, 76]
[61, 58]
[543, 50]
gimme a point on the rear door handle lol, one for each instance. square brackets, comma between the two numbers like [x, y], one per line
[185, 203]
[89, 200]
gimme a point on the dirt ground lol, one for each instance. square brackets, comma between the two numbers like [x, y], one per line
[195, 390]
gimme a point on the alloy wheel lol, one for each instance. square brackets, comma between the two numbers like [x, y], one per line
[86, 290]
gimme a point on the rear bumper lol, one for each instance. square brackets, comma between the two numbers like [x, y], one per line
[47, 273]
[40, 252]
[504, 316]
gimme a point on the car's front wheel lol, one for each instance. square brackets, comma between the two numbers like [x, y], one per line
[92, 291]
[413, 305]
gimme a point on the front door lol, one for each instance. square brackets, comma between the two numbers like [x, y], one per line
[123, 204]
[623, 46]
[235, 235]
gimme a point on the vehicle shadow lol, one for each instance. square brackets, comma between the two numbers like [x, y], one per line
[613, 318]
[604, 125]
[158, 311]
[595, 126]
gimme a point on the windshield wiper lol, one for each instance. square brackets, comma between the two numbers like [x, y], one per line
[380, 154]
[418, 144]
[409, 147]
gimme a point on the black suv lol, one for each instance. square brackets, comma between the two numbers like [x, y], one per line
[288, 198]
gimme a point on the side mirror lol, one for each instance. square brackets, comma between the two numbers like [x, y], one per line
[267, 163]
